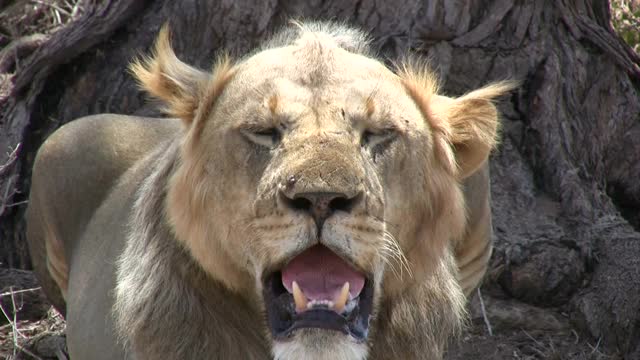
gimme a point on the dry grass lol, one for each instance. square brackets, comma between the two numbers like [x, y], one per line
[24, 26]
[28, 17]
[28, 339]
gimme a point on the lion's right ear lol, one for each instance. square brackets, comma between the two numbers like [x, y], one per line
[181, 87]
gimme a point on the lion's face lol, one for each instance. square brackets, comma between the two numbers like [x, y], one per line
[316, 181]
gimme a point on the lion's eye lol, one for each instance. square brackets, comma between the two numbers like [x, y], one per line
[269, 137]
[374, 139]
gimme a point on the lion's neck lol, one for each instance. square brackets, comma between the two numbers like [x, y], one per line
[419, 323]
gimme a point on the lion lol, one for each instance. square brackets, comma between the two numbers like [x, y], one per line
[306, 201]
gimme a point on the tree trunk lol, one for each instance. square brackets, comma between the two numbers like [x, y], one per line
[566, 189]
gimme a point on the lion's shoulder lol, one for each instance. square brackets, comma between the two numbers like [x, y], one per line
[82, 161]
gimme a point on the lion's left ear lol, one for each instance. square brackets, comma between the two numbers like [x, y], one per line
[472, 121]
[464, 129]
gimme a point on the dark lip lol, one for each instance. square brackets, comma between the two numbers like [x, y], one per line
[283, 320]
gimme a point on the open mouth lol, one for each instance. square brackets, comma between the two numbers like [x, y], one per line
[318, 289]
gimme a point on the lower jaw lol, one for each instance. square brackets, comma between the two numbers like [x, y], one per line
[325, 320]
[319, 344]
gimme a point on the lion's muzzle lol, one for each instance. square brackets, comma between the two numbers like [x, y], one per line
[323, 280]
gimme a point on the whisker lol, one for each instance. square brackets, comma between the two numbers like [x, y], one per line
[385, 257]
[397, 251]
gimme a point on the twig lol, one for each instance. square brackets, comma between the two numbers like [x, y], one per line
[532, 338]
[11, 159]
[484, 313]
[15, 314]
[14, 327]
[19, 291]
[575, 333]
[56, 14]
[76, 9]
[539, 352]
[553, 348]
[596, 348]
[16, 203]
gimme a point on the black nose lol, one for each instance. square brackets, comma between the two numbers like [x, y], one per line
[321, 205]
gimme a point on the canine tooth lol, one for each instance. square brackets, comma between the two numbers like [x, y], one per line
[299, 298]
[340, 301]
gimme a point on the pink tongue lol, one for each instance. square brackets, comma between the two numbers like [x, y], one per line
[320, 274]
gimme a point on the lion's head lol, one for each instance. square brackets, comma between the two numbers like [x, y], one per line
[319, 183]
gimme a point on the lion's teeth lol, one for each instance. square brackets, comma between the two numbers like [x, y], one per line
[302, 303]
[313, 303]
[299, 298]
[340, 301]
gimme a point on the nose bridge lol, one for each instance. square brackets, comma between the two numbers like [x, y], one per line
[325, 162]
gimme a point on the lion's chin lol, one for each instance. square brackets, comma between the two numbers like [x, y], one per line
[319, 344]
[318, 290]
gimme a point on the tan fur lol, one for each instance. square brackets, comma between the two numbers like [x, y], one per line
[56, 262]
[273, 104]
[474, 248]
[169, 259]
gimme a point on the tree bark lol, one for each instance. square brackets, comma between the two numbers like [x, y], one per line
[566, 195]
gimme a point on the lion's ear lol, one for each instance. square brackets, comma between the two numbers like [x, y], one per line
[472, 122]
[465, 129]
[181, 87]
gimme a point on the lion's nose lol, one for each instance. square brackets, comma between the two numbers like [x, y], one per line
[321, 205]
